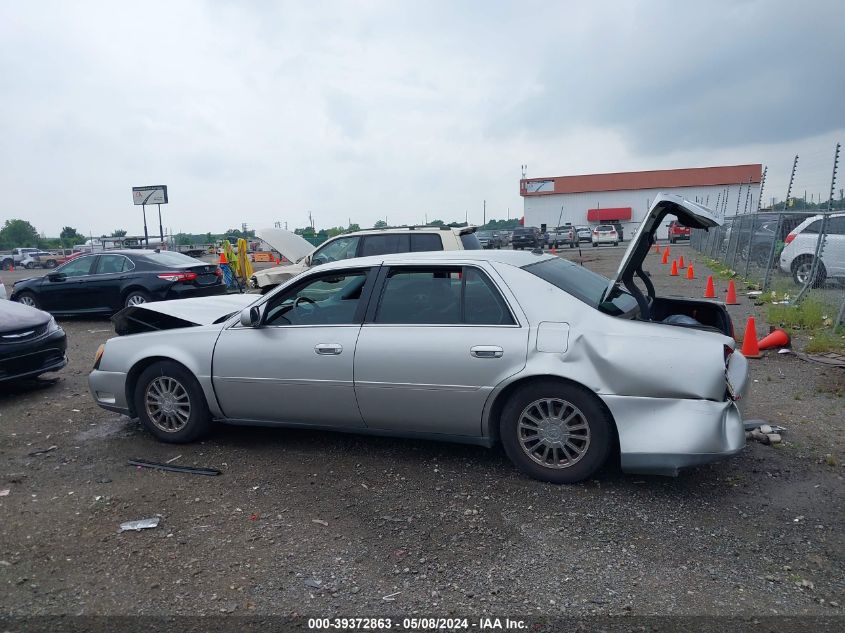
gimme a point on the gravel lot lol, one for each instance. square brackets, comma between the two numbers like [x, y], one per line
[328, 524]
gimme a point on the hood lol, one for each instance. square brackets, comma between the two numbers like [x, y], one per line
[168, 315]
[291, 246]
[689, 214]
[16, 316]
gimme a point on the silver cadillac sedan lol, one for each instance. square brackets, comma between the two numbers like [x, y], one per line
[558, 364]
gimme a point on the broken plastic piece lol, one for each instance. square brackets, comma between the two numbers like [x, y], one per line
[142, 463]
[141, 524]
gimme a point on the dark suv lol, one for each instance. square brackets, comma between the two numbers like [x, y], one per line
[526, 237]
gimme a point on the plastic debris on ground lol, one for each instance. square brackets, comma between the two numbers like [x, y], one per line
[141, 524]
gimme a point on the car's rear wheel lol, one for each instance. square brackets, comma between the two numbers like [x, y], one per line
[28, 299]
[50, 263]
[594, 244]
[803, 267]
[30, 265]
[170, 403]
[136, 298]
[556, 432]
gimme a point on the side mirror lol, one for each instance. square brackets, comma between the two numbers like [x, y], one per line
[308, 261]
[251, 317]
[56, 276]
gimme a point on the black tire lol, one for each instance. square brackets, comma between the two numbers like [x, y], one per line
[30, 265]
[6, 264]
[801, 267]
[595, 442]
[616, 243]
[594, 244]
[50, 263]
[135, 297]
[671, 240]
[198, 420]
[28, 298]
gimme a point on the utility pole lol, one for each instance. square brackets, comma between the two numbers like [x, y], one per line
[484, 214]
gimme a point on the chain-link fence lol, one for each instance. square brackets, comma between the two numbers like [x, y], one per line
[793, 258]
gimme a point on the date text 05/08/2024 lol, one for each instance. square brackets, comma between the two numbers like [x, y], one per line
[417, 624]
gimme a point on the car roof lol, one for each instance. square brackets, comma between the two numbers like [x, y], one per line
[813, 218]
[404, 229]
[511, 258]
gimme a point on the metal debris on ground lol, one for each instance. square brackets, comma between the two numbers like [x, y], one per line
[391, 596]
[141, 524]
[42, 451]
[5, 492]
[320, 521]
[142, 463]
[313, 582]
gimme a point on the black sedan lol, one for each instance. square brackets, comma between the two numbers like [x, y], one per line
[30, 342]
[103, 283]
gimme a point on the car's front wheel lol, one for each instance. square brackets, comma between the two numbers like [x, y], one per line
[170, 403]
[556, 432]
[28, 299]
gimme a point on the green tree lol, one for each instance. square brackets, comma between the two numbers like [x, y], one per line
[353, 227]
[70, 236]
[381, 224]
[118, 233]
[18, 233]
[437, 223]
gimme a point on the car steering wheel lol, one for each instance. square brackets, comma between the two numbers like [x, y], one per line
[299, 300]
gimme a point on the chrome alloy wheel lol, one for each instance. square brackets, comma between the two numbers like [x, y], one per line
[135, 300]
[168, 404]
[553, 433]
[27, 300]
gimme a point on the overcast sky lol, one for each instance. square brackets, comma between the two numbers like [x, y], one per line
[263, 111]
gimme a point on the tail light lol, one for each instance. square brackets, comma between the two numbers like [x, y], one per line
[218, 272]
[178, 277]
[790, 237]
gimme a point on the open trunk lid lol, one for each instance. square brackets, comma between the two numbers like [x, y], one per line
[291, 246]
[168, 315]
[689, 214]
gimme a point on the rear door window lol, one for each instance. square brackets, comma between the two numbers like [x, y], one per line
[386, 243]
[112, 264]
[426, 242]
[441, 295]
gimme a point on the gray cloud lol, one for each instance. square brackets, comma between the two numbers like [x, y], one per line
[263, 111]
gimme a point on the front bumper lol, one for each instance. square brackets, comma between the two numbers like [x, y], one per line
[32, 358]
[108, 388]
[660, 436]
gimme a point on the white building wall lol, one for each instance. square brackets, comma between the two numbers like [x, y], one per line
[547, 208]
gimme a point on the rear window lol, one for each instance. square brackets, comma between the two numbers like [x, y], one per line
[168, 258]
[470, 242]
[522, 231]
[582, 284]
[426, 242]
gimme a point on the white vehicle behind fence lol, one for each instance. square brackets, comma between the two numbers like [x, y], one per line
[800, 250]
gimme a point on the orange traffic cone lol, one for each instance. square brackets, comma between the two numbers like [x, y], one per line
[657, 248]
[681, 263]
[778, 338]
[690, 272]
[222, 259]
[665, 259]
[553, 251]
[710, 293]
[674, 272]
[667, 249]
[750, 347]
[731, 298]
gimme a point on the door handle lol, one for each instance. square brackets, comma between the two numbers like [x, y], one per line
[486, 351]
[328, 349]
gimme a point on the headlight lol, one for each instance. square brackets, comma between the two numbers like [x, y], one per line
[52, 326]
[99, 355]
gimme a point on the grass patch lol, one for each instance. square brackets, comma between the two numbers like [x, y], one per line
[810, 314]
[826, 341]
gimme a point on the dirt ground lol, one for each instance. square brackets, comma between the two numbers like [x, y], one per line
[331, 524]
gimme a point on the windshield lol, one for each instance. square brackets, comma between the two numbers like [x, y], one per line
[484, 233]
[583, 284]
